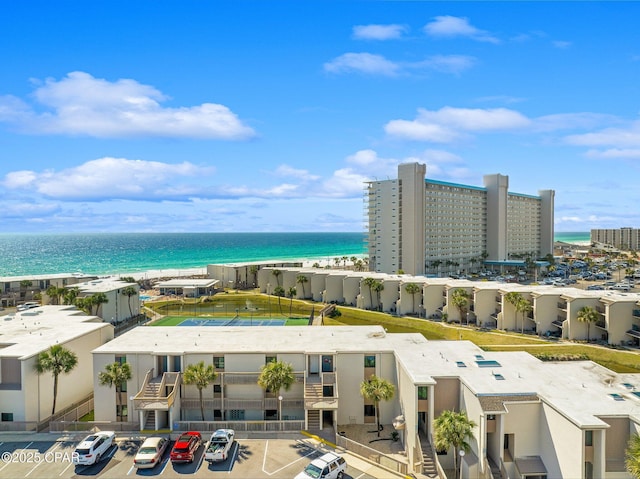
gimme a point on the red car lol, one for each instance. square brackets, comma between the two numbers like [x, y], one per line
[186, 446]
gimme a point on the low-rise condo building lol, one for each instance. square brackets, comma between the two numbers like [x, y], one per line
[622, 238]
[122, 298]
[26, 398]
[532, 418]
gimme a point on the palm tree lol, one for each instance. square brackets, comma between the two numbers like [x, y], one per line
[129, 291]
[301, 279]
[514, 298]
[254, 272]
[588, 315]
[116, 374]
[275, 376]
[412, 289]
[369, 283]
[377, 389]
[291, 293]
[56, 360]
[344, 261]
[54, 292]
[277, 273]
[460, 299]
[436, 265]
[632, 456]
[453, 429]
[97, 300]
[279, 292]
[199, 376]
[378, 286]
[70, 294]
[25, 283]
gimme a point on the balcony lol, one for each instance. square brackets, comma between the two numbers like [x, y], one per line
[157, 394]
[562, 305]
[636, 313]
[602, 324]
[559, 323]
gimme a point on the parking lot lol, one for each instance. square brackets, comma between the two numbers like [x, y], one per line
[249, 458]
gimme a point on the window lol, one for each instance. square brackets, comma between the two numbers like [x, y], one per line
[122, 412]
[218, 362]
[121, 359]
[369, 410]
[217, 388]
[7, 417]
[271, 415]
[236, 415]
[423, 392]
[270, 359]
[217, 415]
[369, 361]
[588, 438]
[327, 391]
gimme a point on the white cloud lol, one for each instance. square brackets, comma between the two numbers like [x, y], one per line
[449, 27]
[615, 153]
[448, 123]
[445, 63]
[80, 104]
[617, 137]
[109, 178]
[364, 63]
[561, 44]
[379, 32]
[288, 171]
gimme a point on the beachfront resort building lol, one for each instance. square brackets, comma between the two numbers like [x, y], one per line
[122, 298]
[423, 226]
[622, 238]
[533, 419]
[15, 290]
[26, 398]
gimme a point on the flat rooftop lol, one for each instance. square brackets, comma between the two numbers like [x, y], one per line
[25, 334]
[103, 285]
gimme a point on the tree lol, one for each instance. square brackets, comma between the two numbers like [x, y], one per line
[277, 273]
[129, 292]
[116, 374]
[588, 315]
[279, 292]
[292, 294]
[412, 289]
[55, 293]
[460, 299]
[377, 389]
[254, 272]
[369, 282]
[436, 266]
[452, 429]
[301, 279]
[514, 299]
[97, 300]
[200, 376]
[56, 360]
[275, 376]
[378, 286]
[632, 456]
[69, 296]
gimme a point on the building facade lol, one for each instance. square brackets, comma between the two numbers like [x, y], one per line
[421, 226]
[623, 238]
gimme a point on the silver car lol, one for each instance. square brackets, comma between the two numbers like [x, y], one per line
[150, 453]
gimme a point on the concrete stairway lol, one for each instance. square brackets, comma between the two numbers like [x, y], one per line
[150, 422]
[313, 416]
[428, 461]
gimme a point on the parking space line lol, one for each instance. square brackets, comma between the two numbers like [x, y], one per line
[38, 464]
[233, 459]
[23, 449]
[264, 460]
[65, 469]
[131, 470]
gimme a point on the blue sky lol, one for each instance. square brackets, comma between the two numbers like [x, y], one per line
[269, 116]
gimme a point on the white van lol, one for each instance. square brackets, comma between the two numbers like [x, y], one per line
[329, 466]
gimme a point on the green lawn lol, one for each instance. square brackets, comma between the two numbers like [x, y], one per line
[256, 305]
[176, 320]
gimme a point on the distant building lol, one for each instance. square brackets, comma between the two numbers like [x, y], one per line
[425, 226]
[18, 289]
[623, 238]
[119, 307]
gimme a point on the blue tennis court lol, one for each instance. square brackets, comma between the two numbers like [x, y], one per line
[232, 322]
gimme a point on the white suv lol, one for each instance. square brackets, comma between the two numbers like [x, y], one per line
[93, 447]
[329, 466]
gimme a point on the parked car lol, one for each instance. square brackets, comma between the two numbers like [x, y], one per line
[185, 448]
[92, 448]
[219, 445]
[150, 453]
[28, 305]
[329, 466]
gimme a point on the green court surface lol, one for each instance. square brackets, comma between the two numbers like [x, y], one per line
[176, 320]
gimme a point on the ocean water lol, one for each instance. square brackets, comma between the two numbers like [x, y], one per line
[579, 237]
[137, 252]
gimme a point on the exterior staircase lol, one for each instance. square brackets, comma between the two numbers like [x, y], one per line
[150, 422]
[313, 391]
[152, 388]
[495, 469]
[313, 418]
[428, 461]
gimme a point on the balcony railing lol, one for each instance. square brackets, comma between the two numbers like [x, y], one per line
[562, 305]
[636, 313]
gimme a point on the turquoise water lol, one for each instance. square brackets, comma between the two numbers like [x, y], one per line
[574, 237]
[136, 252]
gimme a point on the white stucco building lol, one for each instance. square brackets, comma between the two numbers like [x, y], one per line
[26, 396]
[423, 226]
[119, 306]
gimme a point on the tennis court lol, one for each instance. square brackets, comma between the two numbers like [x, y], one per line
[232, 322]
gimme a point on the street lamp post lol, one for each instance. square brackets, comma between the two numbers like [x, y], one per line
[461, 458]
[280, 411]
[269, 298]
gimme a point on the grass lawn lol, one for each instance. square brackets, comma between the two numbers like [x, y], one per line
[261, 306]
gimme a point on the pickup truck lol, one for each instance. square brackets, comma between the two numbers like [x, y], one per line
[219, 445]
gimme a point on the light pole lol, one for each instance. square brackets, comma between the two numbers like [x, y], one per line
[461, 458]
[269, 298]
[280, 411]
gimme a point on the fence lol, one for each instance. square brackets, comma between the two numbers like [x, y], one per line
[372, 455]
[19, 426]
[240, 426]
[75, 411]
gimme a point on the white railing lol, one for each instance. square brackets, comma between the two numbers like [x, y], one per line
[241, 426]
[371, 455]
